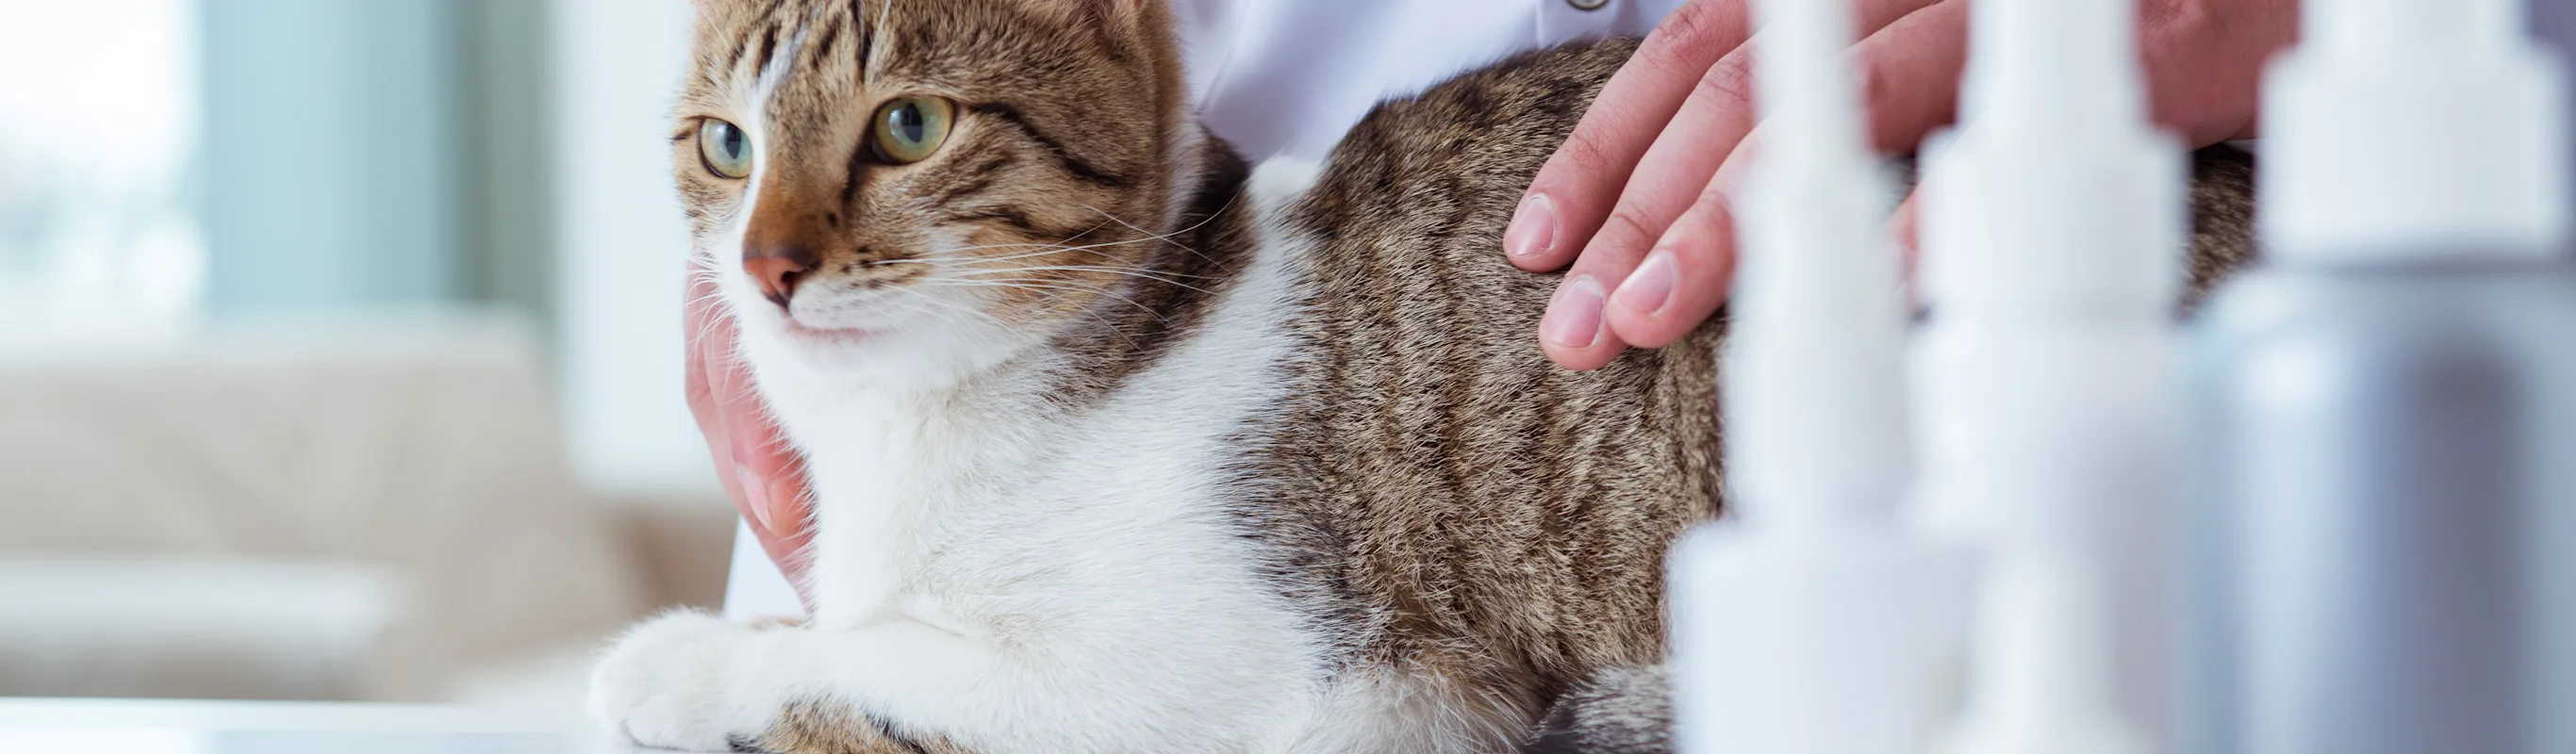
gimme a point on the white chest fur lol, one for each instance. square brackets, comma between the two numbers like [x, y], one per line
[1104, 538]
[1018, 576]
[986, 489]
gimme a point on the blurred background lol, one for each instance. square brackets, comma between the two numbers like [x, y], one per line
[339, 350]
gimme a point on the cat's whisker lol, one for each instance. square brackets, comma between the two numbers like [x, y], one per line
[1122, 268]
[1113, 327]
[1029, 284]
[917, 297]
[1058, 248]
[1094, 315]
[989, 266]
[1035, 250]
[1148, 237]
[1039, 251]
[707, 330]
[1127, 272]
[1220, 212]
[1057, 243]
[915, 308]
[712, 301]
[1054, 286]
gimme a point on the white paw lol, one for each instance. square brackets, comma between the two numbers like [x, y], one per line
[674, 682]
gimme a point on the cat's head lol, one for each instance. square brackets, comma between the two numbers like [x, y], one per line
[870, 180]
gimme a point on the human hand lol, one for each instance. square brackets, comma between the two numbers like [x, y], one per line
[763, 476]
[1637, 199]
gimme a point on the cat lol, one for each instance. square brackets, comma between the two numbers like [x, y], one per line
[1120, 444]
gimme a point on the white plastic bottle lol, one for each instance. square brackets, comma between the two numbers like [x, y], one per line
[2390, 401]
[2053, 238]
[1813, 622]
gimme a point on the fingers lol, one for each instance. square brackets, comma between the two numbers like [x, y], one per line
[1573, 332]
[1684, 280]
[1681, 283]
[1909, 71]
[1692, 141]
[1910, 68]
[764, 477]
[1906, 232]
[1673, 171]
[2204, 62]
[1576, 189]
[1688, 143]
[698, 322]
[769, 475]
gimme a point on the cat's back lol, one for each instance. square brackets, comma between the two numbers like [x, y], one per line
[1447, 498]
[1449, 165]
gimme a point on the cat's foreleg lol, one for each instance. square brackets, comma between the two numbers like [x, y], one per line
[692, 681]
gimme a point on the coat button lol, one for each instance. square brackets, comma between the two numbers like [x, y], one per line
[1587, 4]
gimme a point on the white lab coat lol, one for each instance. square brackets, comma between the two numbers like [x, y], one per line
[1286, 78]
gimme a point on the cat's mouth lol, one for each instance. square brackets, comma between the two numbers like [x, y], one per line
[825, 336]
[824, 318]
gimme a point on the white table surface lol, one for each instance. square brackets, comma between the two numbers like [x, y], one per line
[106, 726]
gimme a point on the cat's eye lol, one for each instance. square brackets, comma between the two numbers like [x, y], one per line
[910, 129]
[724, 148]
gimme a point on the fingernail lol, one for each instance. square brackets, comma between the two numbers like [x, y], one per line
[1533, 228]
[1651, 285]
[755, 493]
[1574, 320]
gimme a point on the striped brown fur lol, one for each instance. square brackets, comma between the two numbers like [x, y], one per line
[1471, 510]
[821, 727]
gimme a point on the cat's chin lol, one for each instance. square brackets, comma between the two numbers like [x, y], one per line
[831, 348]
[799, 335]
[913, 356]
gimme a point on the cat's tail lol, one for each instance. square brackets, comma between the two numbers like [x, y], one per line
[1616, 711]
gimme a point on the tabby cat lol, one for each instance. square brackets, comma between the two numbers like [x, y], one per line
[1120, 444]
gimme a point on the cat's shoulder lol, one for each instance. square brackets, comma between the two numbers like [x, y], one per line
[1536, 94]
[1479, 136]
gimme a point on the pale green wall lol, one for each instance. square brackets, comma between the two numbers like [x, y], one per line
[375, 152]
[511, 204]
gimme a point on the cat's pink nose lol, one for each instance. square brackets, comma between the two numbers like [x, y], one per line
[776, 270]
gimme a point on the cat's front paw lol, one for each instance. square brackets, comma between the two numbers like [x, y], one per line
[673, 683]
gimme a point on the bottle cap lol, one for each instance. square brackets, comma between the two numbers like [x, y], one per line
[2415, 130]
[1816, 394]
[2055, 192]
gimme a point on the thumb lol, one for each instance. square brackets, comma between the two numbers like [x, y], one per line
[1905, 232]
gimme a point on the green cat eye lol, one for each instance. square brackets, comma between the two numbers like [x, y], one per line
[724, 148]
[910, 129]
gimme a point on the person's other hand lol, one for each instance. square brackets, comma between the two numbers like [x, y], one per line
[1637, 201]
[765, 478]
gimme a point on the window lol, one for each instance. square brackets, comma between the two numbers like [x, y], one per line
[98, 135]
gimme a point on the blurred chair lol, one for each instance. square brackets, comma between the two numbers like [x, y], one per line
[353, 510]
[98, 626]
